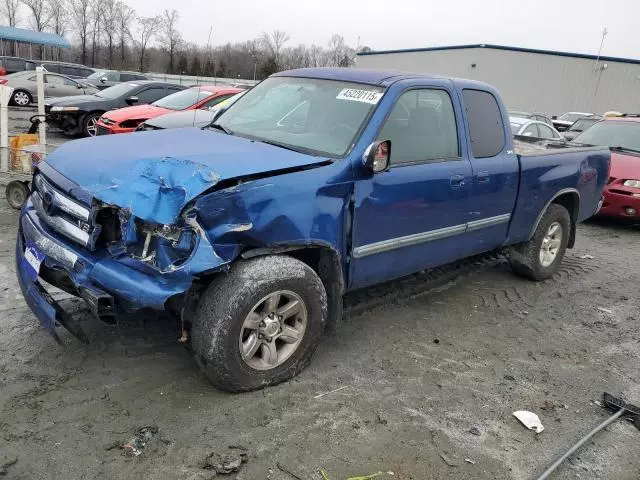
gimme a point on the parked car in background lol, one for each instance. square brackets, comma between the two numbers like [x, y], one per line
[127, 119]
[539, 117]
[192, 118]
[315, 183]
[25, 87]
[78, 115]
[73, 70]
[580, 126]
[16, 64]
[108, 78]
[565, 121]
[524, 127]
[622, 192]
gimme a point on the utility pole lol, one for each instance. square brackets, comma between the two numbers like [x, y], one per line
[604, 34]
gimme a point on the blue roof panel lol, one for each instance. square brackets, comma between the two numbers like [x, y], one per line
[31, 36]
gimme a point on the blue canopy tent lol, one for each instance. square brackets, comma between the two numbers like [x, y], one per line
[30, 37]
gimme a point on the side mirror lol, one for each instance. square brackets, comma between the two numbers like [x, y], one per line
[376, 156]
[103, 80]
[132, 100]
[554, 117]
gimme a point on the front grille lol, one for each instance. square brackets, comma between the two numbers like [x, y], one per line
[62, 213]
[100, 130]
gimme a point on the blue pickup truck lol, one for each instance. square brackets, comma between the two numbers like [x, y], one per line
[314, 183]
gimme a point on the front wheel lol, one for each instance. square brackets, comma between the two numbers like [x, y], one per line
[259, 324]
[90, 124]
[540, 257]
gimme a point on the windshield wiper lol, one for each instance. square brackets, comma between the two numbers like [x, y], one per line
[217, 126]
[620, 148]
[281, 145]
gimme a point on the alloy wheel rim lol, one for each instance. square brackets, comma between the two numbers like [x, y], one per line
[91, 126]
[551, 244]
[273, 330]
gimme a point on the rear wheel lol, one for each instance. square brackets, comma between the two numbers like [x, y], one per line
[21, 98]
[17, 194]
[540, 257]
[259, 324]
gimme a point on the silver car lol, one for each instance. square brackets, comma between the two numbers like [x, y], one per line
[25, 88]
[524, 127]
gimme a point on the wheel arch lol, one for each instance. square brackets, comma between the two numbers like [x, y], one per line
[327, 265]
[569, 198]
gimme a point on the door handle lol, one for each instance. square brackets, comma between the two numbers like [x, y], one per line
[457, 181]
[483, 176]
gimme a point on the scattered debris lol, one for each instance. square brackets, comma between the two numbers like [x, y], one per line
[587, 257]
[451, 461]
[598, 403]
[436, 341]
[510, 378]
[286, 470]
[529, 420]
[468, 460]
[605, 310]
[113, 445]
[524, 312]
[225, 463]
[140, 441]
[6, 463]
[381, 420]
[475, 431]
[324, 475]
[332, 391]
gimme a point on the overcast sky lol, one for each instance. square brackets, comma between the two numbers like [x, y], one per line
[567, 25]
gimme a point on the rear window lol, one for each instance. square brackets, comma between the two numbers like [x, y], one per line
[485, 123]
[51, 67]
[127, 77]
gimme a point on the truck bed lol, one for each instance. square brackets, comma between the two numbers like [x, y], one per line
[528, 148]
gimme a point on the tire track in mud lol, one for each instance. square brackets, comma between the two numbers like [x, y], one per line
[358, 302]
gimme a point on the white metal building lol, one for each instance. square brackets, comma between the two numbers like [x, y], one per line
[539, 81]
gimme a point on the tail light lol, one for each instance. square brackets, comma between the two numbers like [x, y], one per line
[3, 82]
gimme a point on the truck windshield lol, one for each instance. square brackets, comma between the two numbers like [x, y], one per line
[320, 117]
[625, 135]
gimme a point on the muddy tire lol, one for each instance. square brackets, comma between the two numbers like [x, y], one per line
[539, 258]
[259, 324]
[17, 194]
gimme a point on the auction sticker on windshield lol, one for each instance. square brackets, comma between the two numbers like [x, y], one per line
[357, 95]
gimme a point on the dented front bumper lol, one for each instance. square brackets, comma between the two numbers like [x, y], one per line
[94, 276]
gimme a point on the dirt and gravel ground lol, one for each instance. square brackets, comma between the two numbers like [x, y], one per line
[429, 379]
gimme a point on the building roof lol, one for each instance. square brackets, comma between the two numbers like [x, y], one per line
[31, 36]
[503, 47]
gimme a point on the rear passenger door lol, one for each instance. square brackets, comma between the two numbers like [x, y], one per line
[495, 171]
[57, 86]
[413, 216]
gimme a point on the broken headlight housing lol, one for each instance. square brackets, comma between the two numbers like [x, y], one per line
[164, 247]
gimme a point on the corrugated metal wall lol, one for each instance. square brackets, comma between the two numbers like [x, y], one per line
[529, 81]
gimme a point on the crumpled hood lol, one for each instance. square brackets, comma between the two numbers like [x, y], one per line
[155, 174]
[625, 165]
[136, 112]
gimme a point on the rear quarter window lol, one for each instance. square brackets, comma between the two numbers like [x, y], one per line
[485, 123]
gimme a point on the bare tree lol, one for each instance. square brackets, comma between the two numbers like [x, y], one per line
[146, 30]
[40, 14]
[273, 43]
[110, 13]
[126, 16]
[96, 24]
[81, 19]
[9, 10]
[336, 49]
[170, 36]
[59, 16]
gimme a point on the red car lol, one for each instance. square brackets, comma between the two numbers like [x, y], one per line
[126, 119]
[622, 192]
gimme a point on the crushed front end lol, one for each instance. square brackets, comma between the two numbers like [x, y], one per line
[102, 253]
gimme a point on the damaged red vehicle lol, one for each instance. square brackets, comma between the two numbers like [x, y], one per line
[622, 135]
[127, 119]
